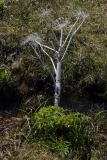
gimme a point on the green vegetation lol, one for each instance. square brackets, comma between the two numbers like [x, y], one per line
[63, 133]
[52, 133]
[1, 9]
[84, 70]
[1, 5]
[5, 76]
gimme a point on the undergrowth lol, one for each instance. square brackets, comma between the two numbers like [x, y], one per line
[54, 133]
[64, 133]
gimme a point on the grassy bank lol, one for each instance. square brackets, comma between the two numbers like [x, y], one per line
[86, 61]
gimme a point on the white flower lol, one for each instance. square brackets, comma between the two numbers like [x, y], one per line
[32, 38]
[62, 23]
[82, 14]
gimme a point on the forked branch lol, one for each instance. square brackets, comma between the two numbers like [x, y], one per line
[42, 62]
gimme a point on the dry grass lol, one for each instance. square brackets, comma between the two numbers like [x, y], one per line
[14, 145]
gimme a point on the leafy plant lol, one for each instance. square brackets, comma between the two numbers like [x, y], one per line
[1, 9]
[5, 76]
[62, 132]
[1, 5]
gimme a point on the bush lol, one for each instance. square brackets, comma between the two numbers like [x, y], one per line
[62, 132]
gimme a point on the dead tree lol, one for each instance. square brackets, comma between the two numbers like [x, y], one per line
[59, 46]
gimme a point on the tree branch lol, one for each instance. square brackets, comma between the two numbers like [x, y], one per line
[70, 32]
[43, 62]
[61, 37]
[49, 58]
[45, 46]
[71, 39]
[54, 35]
[54, 49]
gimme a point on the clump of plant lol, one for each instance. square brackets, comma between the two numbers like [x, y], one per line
[5, 76]
[1, 9]
[65, 133]
[1, 5]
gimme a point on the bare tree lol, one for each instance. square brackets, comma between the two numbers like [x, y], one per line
[60, 46]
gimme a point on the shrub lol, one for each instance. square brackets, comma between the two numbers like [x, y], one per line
[62, 132]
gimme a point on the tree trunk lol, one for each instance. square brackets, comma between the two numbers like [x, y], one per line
[58, 84]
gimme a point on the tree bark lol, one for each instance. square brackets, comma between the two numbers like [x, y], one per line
[58, 84]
